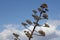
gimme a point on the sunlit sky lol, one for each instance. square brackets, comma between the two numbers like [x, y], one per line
[17, 11]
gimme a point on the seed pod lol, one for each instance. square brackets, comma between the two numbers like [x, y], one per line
[44, 6]
[29, 22]
[24, 24]
[34, 11]
[41, 32]
[46, 25]
[45, 16]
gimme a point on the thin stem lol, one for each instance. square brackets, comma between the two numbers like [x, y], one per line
[34, 28]
[41, 13]
[33, 31]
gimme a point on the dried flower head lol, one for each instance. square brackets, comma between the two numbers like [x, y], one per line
[46, 25]
[27, 34]
[24, 24]
[36, 17]
[29, 22]
[41, 32]
[44, 6]
[45, 16]
[39, 9]
[16, 35]
[34, 11]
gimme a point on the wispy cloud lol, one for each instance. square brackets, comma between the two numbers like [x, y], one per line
[51, 33]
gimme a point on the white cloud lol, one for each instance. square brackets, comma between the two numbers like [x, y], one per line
[54, 22]
[58, 38]
[51, 33]
[11, 26]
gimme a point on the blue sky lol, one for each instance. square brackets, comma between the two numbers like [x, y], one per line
[13, 12]
[17, 11]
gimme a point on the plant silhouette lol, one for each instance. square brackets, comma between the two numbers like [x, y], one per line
[42, 11]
